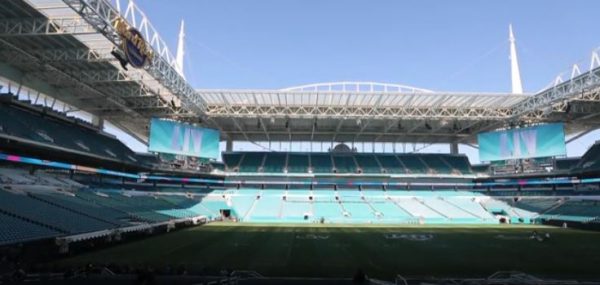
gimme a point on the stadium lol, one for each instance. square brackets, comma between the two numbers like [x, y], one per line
[337, 190]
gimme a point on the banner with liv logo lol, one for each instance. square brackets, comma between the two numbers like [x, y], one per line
[183, 139]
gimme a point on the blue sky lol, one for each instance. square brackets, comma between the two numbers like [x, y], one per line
[438, 45]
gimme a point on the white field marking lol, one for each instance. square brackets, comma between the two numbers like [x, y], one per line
[513, 237]
[410, 237]
[313, 236]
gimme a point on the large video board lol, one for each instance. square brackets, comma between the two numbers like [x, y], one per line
[183, 139]
[538, 141]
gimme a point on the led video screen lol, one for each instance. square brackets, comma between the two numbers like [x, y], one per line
[183, 139]
[538, 141]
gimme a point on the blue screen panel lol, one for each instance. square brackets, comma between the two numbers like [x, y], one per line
[183, 139]
[539, 141]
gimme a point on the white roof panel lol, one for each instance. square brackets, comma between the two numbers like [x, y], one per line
[283, 98]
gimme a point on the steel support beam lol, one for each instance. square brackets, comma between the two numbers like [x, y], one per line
[53, 72]
[59, 55]
[368, 113]
[101, 16]
[44, 26]
[571, 89]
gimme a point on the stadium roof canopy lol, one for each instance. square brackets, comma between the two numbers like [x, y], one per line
[63, 49]
[354, 111]
[377, 112]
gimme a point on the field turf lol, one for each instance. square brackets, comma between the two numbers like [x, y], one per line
[383, 252]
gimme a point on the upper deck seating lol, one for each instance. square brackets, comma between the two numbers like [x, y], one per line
[252, 162]
[590, 161]
[297, 163]
[321, 162]
[367, 163]
[275, 162]
[346, 163]
[57, 130]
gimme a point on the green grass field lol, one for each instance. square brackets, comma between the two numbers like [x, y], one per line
[383, 252]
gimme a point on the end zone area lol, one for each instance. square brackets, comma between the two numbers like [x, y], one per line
[316, 250]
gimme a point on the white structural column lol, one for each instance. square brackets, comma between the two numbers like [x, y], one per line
[180, 50]
[454, 148]
[515, 73]
[98, 122]
[229, 145]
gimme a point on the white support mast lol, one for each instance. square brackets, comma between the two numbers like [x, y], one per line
[180, 51]
[515, 74]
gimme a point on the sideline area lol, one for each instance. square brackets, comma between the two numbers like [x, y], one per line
[381, 251]
[376, 226]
